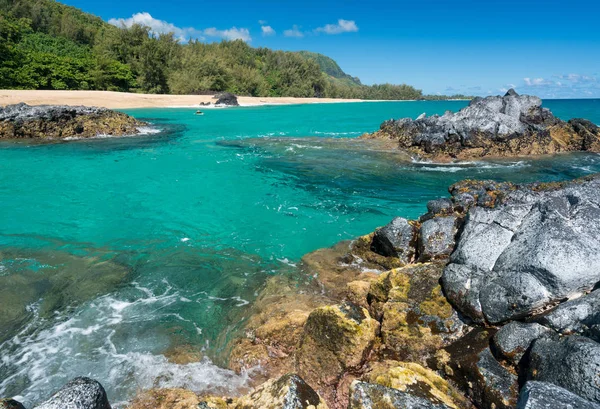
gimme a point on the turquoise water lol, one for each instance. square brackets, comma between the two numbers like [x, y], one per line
[115, 251]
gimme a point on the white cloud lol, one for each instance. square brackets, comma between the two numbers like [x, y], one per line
[532, 82]
[267, 31]
[342, 26]
[182, 34]
[233, 33]
[294, 32]
[562, 86]
[262, 22]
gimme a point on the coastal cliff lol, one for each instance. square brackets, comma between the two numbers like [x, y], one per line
[47, 122]
[489, 300]
[508, 126]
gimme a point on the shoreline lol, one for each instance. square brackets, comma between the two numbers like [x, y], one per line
[125, 100]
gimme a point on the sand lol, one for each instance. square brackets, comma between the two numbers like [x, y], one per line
[121, 100]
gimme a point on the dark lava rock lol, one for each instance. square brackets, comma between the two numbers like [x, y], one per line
[61, 121]
[542, 395]
[515, 338]
[228, 99]
[578, 316]
[10, 404]
[397, 239]
[511, 93]
[535, 246]
[572, 363]
[440, 207]
[437, 238]
[80, 393]
[371, 396]
[474, 369]
[508, 125]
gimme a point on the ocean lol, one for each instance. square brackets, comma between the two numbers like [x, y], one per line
[115, 252]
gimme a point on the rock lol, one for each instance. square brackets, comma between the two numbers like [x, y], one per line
[535, 246]
[472, 366]
[542, 395]
[494, 126]
[61, 121]
[417, 381]
[578, 316]
[511, 93]
[80, 393]
[416, 319]
[288, 392]
[227, 98]
[397, 239]
[166, 399]
[572, 363]
[10, 404]
[515, 338]
[437, 238]
[440, 207]
[589, 132]
[336, 340]
[369, 396]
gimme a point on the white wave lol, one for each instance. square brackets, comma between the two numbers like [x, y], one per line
[148, 130]
[465, 166]
[103, 341]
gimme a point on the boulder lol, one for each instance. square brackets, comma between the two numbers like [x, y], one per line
[370, 396]
[535, 247]
[287, 392]
[573, 363]
[228, 99]
[437, 238]
[10, 404]
[514, 339]
[397, 239]
[416, 319]
[80, 393]
[336, 340]
[417, 381]
[542, 395]
[509, 125]
[60, 121]
[579, 316]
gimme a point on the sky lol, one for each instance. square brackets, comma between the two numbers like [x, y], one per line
[548, 48]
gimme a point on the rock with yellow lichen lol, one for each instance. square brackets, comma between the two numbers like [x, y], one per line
[417, 381]
[416, 319]
[47, 122]
[336, 340]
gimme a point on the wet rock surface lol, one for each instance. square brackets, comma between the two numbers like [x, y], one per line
[80, 393]
[48, 122]
[497, 126]
[541, 395]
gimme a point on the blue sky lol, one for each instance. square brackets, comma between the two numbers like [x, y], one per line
[549, 48]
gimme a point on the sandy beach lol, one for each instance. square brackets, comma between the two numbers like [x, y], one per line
[122, 100]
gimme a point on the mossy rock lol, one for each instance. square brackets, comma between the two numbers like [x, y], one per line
[418, 381]
[289, 391]
[165, 399]
[416, 319]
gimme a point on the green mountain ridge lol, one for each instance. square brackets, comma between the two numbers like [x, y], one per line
[48, 45]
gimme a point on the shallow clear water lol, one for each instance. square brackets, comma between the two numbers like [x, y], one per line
[115, 252]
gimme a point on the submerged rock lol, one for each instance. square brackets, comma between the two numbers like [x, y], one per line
[572, 363]
[494, 126]
[370, 396]
[61, 121]
[542, 395]
[80, 393]
[536, 246]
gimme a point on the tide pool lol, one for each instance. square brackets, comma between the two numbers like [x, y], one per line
[115, 252]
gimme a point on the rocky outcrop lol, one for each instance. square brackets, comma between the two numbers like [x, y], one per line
[512, 125]
[227, 99]
[80, 393]
[542, 395]
[371, 396]
[537, 246]
[46, 122]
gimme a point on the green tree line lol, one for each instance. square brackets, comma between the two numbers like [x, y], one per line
[48, 45]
